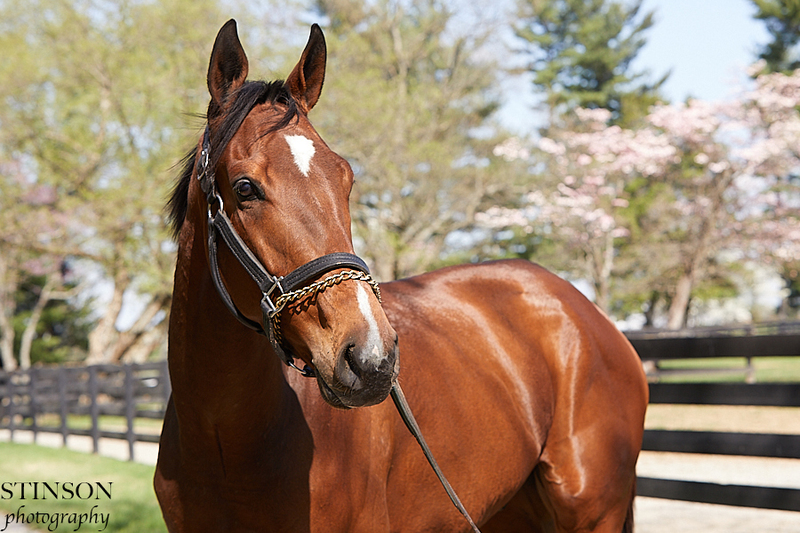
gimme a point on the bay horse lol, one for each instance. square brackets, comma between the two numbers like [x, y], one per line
[531, 400]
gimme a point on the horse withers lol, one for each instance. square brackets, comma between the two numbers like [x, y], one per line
[531, 400]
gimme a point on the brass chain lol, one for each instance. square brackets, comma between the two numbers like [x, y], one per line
[315, 288]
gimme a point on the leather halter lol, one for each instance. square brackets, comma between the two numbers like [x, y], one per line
[219, 225]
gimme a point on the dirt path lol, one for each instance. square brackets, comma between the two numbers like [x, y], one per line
[667, 516]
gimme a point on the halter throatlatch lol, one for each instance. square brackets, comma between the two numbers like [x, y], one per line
[285, 289]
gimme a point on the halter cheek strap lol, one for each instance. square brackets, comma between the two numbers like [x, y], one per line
[285, 289]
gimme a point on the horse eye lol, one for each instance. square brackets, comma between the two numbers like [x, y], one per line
[244, 189]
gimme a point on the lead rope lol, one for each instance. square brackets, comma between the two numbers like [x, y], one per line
[405, 413]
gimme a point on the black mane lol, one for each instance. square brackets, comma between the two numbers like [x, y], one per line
[223, 127]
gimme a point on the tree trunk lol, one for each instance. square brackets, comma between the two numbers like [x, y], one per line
[7, 342]
[8, 286]
[650, 312]
[30, 328]
[102, 336]
[676, 318]
[602, 264]
[126, 340]
[379, 251]
[146, 343]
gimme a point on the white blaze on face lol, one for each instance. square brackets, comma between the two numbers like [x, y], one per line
[303, 150]
[373, 351]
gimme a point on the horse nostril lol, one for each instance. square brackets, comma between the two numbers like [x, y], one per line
[348, 357]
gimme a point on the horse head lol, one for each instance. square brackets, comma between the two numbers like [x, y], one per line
[285, 194]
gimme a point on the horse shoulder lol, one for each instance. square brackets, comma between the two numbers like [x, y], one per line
[165, 481]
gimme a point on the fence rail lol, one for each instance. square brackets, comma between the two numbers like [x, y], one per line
[782, 340]
[763, 394]
[32, 400]
[53, 399]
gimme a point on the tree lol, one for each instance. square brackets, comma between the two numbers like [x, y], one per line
[782, 18]
[770, 114]
[31, 272]
[92, 93]
[52, 322]
[782, 55]
[409, 91]
[581, 52]
[714, 177]
[586, 213]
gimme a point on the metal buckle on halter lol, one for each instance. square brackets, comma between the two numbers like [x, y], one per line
[204, 160]
[205, 156]
[268, 306]
[266, 300]
[306, 371]
[211, 201]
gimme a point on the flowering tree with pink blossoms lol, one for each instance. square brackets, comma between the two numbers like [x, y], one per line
[706, 198]
[771, 116]
[704, 176]
[585, 210]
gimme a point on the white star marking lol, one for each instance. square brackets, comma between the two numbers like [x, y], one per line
[303, 150]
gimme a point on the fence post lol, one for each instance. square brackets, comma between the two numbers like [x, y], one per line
[166, 382]
[32, 378]
[62, 403]
[130, 409]
[750, 375]
[95, 408]
[11, 410]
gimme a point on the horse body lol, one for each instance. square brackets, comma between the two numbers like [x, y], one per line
[520, 373]
[527, 388]
[531, 400]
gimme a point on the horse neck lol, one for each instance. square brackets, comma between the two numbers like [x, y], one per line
[221, 372]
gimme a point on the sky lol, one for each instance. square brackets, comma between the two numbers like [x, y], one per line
[706, 44]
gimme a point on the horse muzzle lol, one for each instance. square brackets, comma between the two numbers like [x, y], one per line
[362, 375]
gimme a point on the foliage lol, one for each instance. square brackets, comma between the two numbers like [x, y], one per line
[585, 212]
[409, 91]
[581, 53]
[642, 201]
[62, 331]
[92, 93]
[782, 18]
[715, 177]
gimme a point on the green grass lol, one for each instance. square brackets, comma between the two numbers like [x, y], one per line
[106, 423]
[767, 370]
[132, 508]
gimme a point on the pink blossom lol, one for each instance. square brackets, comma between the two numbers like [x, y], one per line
[511, 149]
[550, 146]
[742, 150]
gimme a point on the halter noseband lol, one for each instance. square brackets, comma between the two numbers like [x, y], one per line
[286, 289]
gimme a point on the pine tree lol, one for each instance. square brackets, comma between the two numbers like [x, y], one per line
[782, 18]
[581, 53]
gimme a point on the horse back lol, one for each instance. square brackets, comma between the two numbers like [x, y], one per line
[505, 313]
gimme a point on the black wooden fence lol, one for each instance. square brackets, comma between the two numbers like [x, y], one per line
[72, 400]
[781, 340]
[31, 400]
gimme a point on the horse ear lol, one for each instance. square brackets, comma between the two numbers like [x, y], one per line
[228, 67]
[305, 81]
